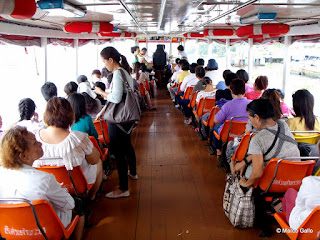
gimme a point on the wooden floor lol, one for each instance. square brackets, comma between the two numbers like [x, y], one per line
[179, 191]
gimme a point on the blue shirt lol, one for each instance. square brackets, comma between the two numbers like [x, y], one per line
[183, 54]
[86, 125]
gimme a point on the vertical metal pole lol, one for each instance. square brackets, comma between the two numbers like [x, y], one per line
[286, 61]
[76, 46]
[136, 42]
[250, 58]
[96, 43]
[44, 44]
[228, 54]
[147, 43]
[197, 48]
[170, 51]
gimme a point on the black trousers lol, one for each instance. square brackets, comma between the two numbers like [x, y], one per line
[121, 147]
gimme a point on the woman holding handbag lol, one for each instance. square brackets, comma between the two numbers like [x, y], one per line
[119, 134]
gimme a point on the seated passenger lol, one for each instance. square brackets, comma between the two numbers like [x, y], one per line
[28, 116]
[261, 150]
[48, 90]
[286, 111]
[185, 72]
[304, 120]
[93, 106]
[64, 147]
[260, 84]
[95, 76]
[226, 93]
[84, 86]
[236, 107]
[177, 67]
[200, 62]
[102, 86]
[18, 179]
[209, 90]
[83, 121]
[212, 72]
[242, 74]
[299, 205]
[191, 79]
[70, 87]
[221, 85]
[200, 74]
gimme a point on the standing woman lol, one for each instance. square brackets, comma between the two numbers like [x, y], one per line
[120, 142]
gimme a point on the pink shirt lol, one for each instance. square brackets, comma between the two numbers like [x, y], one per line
[286, 111]
[253, 95]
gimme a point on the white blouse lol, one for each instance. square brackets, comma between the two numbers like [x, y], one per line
[71, 152]
[203, 94]
[32, 184]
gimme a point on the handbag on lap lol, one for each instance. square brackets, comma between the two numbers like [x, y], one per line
[237, 205]
[127, 111]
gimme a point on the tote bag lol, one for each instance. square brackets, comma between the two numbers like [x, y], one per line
[127, 111]
[237, 205]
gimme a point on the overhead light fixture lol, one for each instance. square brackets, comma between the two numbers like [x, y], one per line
[258, 17]
[61, 8]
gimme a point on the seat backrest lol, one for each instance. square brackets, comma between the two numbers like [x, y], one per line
[159, 59]
[209, 103]
[242, 149]
[142, 90]
[232, 128]
[102, 128]
[179, 87]
[213, 113]
[192, 103]
[313, 138]
[17, 221]
[188, 92]
[279, 175]
[96, 145]
[311, 223]
[73, 180]
[147, 86]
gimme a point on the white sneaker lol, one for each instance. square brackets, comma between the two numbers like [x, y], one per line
[177, 106]
[134, 177]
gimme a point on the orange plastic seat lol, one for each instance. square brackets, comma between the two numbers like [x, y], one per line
[303, 233]
[147, 86]
[73, 180]
[205, 105]
[192, 103]
[36, 220]
[103, 152]
[231, 129]
[142, 90]
[210, 120]
[242, 149]
[280, 175]
[187, 93]
[103, 133]
[178, 88]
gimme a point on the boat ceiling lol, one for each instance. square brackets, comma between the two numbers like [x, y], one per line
[176, 17]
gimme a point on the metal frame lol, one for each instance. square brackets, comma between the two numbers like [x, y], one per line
[33, 209]
[277, 167]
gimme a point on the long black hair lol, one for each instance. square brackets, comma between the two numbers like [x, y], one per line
[26, 108]
[78, 104]
[274, 97]
[111, 52]
[262, 107]
[303, 103]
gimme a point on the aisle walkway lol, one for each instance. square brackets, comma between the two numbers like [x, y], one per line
[179, 191]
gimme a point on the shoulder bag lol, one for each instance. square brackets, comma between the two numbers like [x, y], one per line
[127, 111]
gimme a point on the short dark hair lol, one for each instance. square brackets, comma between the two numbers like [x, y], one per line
[134, 48]
[100, 85]
[144, 49]
[261, 82]
[96, 71]
[262, 107]
[242, 74]
[200, 72]
[49, 90]
[177, 60]
[82, 78]
[181, 48]
[206, 81]
[225, 73]
[105, 72]
[70, 87]
[185, 66]
[200, 61]
[238, 86]
[59, 113]
[229, 78]
[193, 67]
[26, 108]
[78, 104]
[303, 103]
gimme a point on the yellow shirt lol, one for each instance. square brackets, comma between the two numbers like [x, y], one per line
[182, 75]
[295, 125]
